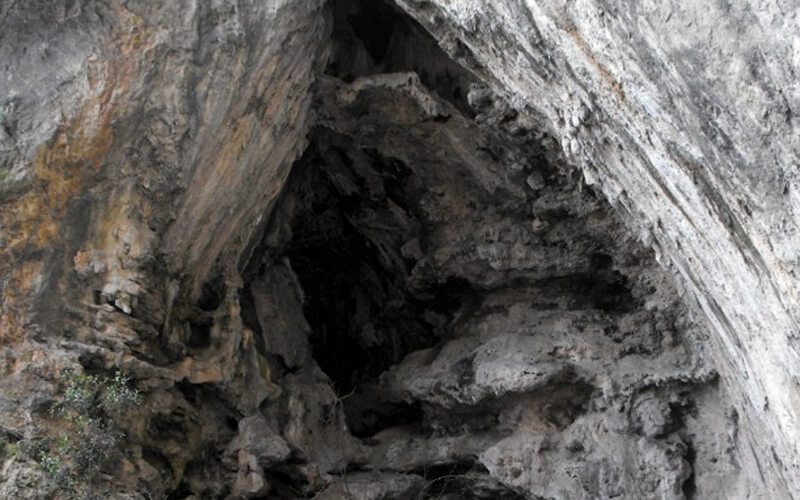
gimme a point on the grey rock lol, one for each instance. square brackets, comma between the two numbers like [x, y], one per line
[373, 486]
[469, 249]
[689, 145]
[257, 439]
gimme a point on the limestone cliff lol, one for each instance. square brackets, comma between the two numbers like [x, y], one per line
[414, 249]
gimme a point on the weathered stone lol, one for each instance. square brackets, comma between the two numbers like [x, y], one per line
[257, 439]
[368, 249]
[692, 136]
[373, 486]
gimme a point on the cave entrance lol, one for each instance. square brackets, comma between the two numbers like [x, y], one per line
[331, 279]
[347, 226]
[430, 268]
[414, 200]
[345, 249]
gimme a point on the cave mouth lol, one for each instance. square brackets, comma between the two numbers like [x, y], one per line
[427, 222]
[353, 245]
[362, 314]
[358, 218]
[348, 227]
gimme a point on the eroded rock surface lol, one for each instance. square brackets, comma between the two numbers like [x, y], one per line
[347, 255]
[685, 116]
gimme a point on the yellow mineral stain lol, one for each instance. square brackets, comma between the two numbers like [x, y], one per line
[605, 74]
[66, 166]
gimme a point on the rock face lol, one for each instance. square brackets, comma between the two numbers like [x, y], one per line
[685, 117]
[441, 249]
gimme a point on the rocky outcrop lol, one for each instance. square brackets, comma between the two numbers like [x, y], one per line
[427, 250]
[141, 146]
[685, 117]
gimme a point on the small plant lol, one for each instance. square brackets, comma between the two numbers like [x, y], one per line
[119, 396]
[8, 448]
[51, 464]
[91, 407]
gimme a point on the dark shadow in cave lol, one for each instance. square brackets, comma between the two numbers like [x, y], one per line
[345, 234]
[345, 251]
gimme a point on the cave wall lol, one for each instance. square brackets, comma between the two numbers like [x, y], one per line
[685, 116]
[130, 133]
[141, 144]
[146, 225]
[562, 328]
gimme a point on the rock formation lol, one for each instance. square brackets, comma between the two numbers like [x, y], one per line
[414, 249]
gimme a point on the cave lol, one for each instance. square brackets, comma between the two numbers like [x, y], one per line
[423, 215]
[399, 249]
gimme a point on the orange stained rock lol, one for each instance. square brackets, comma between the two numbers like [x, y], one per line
[65, 166]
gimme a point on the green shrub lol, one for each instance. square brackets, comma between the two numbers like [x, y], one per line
[90, 407]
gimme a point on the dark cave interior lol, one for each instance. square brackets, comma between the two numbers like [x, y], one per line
[358, 302]
[346, 238]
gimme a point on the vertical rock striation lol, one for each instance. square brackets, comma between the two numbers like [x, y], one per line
[685, 117]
